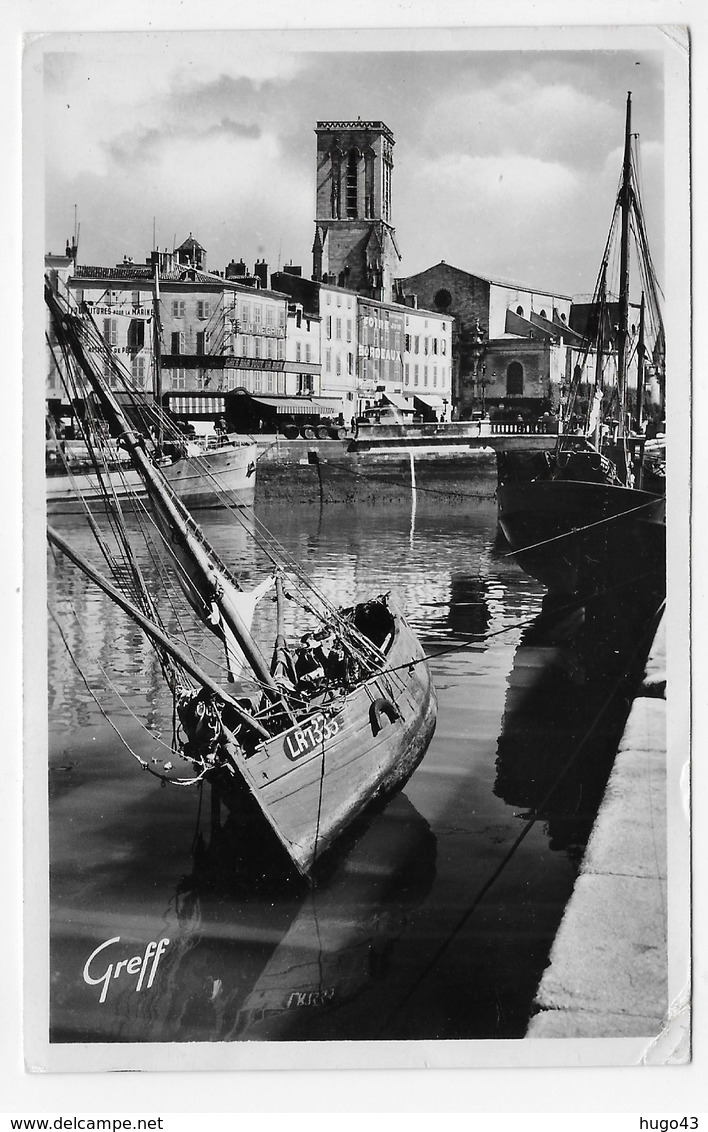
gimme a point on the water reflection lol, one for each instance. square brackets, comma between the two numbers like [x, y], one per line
[430, 921]
[341, 943]
[566, 705]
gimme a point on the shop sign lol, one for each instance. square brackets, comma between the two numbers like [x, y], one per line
[231, 360]
[380, 353]
[121, 312]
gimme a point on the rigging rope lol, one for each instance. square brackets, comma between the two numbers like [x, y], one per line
[145, 765]
[586, 527]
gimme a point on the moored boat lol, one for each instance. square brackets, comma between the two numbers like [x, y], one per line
[200, 476]
[580, 538]
[588, 516]
[342, 714]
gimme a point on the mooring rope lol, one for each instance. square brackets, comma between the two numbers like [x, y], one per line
[528, 826]
[586, 527]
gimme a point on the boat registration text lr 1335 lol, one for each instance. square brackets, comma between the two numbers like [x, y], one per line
[303, 740]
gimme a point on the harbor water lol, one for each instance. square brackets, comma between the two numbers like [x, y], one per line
[434, 918]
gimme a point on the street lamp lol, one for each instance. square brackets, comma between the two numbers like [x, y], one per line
[484, 381]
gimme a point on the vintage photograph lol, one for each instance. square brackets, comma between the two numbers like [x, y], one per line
[360, 361]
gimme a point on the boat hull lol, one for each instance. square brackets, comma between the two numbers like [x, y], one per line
[220, 475]
[585, 539]
[313, 781]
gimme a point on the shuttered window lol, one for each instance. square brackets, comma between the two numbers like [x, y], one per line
[138, 371]
[136, 334]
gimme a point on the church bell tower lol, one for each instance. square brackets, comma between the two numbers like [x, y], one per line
[355, 242]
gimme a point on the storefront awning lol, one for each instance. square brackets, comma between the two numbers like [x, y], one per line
[329, 404]
[403, 403]
[288, 406]
[431, 400]
[195, 405]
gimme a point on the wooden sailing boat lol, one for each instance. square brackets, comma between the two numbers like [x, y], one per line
[589, 516]
[340, 717]
[202, 474]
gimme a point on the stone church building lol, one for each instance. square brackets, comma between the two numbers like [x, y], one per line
[513, 348]
[355, 241]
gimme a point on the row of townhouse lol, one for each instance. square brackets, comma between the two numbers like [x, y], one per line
[224, 345]
[373, 349]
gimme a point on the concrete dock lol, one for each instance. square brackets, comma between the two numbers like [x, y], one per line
[608, 969]
[315, 472]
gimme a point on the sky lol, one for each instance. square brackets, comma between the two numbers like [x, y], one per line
[506, 159]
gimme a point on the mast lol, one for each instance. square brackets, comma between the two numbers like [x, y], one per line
[596, 408]
[207, 576]
[155, 632]
[625, 204]
[640, 370]
[157, 355]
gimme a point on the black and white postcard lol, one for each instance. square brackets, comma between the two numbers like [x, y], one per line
[356, 371]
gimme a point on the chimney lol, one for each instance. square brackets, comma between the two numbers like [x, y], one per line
[261, 273]
[291, 269]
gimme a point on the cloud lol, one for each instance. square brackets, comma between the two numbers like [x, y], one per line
[140, 148]
[506, 160]
[519, 115]
[486, 213]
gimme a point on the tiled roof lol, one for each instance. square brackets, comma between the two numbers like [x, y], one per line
[189, 244]
[125, 271]
[179, 273]
[497, 280]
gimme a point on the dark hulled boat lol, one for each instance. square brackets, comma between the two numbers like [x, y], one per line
[589, 515]
[582, 538]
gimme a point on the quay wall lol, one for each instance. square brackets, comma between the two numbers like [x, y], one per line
[608, 969]
[314, 472]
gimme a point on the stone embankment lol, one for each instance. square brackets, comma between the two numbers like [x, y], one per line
[304, 472]
[607, 974]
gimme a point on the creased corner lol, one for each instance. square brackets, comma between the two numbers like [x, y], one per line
[678, 34]
[672, 1045]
